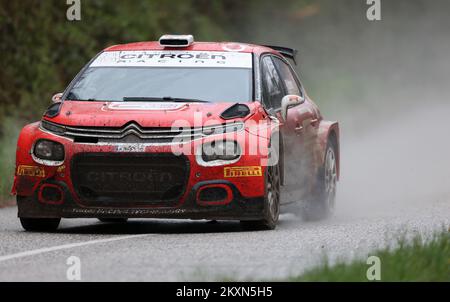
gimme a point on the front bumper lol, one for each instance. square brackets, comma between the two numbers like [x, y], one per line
[244, 200]
[239, 208]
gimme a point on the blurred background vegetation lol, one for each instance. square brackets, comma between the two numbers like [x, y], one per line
[345, 60]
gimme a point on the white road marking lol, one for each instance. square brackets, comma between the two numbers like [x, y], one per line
[64, 247]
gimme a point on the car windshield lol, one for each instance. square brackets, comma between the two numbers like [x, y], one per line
[210, 84]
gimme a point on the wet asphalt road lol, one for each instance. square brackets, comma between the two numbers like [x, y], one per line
[194, 251]
[389, 187]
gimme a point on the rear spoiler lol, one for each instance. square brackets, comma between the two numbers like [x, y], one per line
[286, 52]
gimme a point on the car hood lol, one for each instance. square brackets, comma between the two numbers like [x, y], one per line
[146, 114]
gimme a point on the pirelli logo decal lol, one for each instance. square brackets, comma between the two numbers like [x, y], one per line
[242, 171]
[30, 171]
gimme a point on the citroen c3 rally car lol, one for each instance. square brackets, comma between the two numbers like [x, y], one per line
[179, 129]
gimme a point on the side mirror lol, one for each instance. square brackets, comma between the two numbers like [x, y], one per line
[57, 97]
[290, 101]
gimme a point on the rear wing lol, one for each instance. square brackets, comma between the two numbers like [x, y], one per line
[286, 52]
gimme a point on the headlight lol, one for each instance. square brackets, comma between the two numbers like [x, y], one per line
[49, 150]
[220, 150]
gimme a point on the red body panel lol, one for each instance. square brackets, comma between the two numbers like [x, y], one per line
[97, 114]
[198, 46]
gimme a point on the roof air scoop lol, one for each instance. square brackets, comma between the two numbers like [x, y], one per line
[176, 40]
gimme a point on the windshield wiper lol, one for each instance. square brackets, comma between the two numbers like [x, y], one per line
[162, 99]
[88, 100]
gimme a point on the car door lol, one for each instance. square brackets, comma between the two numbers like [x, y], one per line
[278, 80]
[301, 118]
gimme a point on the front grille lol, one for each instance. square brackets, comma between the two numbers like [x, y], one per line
[165, 134]
[133, 132]
[132, 179]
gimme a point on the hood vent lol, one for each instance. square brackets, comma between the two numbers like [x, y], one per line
[235, 111]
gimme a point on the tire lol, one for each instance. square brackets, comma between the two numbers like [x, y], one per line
[113, 220]
[271, 202]
[322, 203]
[40, 224]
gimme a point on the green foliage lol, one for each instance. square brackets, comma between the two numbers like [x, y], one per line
[410, 261]
[42, 51]
[7, 155]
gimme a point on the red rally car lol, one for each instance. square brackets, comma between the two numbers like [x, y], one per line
[179, 129]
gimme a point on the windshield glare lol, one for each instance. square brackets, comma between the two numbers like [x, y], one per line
[207, 84]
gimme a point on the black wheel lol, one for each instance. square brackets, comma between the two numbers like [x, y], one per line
[322, 203]
[113, 220]
[40, 224]
[271, 202]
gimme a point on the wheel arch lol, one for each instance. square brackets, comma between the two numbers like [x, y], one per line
[329, 132]
[23, 147]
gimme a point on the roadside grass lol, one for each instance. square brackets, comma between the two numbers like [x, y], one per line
[418, 260]
[8, 142]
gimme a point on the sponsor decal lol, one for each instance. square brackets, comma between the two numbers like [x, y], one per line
[33, 171]
[130, 148]
[234, 47]
[105, 211]
[242, 171]
[169, 58]
[114, 181]
[144, 106]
